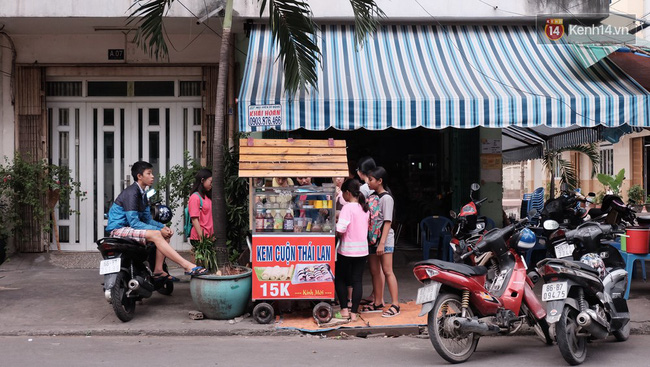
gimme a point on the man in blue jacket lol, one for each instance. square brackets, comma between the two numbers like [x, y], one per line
[130, 217]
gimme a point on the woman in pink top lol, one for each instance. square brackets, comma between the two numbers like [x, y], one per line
[200, 206]
[352, 227]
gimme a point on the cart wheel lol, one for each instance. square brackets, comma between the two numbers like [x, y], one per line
[323, 312]
[263, 313]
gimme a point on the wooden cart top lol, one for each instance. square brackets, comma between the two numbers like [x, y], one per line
[292, 158]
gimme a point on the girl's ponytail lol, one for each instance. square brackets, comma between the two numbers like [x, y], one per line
[362, 201]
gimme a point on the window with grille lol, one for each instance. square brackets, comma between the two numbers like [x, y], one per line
[190, 88]
[63, 89]
[607, 160]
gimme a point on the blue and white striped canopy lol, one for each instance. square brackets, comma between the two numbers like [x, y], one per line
[437, 77]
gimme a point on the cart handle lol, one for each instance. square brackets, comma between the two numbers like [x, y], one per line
[249, 242]
[336, 249]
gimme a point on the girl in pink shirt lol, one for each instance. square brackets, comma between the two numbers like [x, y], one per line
[352, 227]
[200, 206]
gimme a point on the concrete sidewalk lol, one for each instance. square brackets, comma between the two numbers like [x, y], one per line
[61, 294]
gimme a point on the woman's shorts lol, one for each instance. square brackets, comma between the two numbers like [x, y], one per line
[387, 250]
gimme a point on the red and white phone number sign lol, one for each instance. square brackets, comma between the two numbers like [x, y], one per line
[293, 267]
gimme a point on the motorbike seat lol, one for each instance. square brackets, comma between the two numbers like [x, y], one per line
[119, 240]
[459, 268]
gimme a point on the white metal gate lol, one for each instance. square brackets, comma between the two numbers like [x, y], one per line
[101, 141]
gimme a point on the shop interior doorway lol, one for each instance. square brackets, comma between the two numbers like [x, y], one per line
[420, 163]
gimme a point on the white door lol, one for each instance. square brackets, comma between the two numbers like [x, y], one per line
[109, 138]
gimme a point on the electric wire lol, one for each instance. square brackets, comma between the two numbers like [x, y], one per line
[210, 28]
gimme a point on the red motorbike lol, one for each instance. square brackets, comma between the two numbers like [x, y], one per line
[465, 302]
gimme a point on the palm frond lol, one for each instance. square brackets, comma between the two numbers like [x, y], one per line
[590, 150]
[294, 31]
[567, 174]
[149, 35]
[366, 18]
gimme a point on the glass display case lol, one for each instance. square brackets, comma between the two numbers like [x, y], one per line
[294, 210]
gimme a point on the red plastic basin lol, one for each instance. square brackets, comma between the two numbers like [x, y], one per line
[638, 240]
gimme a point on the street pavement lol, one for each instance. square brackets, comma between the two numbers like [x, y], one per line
[61, 294]
[295, 351]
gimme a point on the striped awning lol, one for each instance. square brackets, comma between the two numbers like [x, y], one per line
[437, 77]
[588, 55]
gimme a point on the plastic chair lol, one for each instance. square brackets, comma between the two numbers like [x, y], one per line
[537, 199]
[447, 253]
[433, 235]
[629, 267]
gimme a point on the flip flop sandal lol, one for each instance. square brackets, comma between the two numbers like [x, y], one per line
[197, 270]
[392, 311]
[338, 315]
[161, 276]
[372, 308]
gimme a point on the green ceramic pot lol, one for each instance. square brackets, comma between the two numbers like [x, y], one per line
[222, 297]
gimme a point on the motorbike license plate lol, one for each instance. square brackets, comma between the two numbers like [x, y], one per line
[554, 291]
[428, 293]
[110, 266]
[564, 250]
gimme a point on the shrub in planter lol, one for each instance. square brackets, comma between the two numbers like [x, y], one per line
[25, 183]
[636, 196]
[612, 182]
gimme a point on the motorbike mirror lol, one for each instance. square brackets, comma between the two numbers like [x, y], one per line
[592, 194]
[151, 193]
[532, 213]
[475, 187]
[551, 225]
[452, 214]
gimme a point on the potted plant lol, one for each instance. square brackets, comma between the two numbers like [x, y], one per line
[636, 196]
[225, 291]
[613, 183]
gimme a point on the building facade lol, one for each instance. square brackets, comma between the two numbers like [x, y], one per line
[77, 90]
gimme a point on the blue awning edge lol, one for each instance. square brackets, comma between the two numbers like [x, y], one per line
[407, 76]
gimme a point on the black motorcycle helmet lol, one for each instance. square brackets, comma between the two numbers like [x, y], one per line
[161, 213]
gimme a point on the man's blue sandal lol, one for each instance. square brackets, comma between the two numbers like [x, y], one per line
[197, 270]
[162, 276]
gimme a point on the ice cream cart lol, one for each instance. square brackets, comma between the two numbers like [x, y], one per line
[293, 247]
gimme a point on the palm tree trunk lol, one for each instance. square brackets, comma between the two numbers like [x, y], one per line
[551, 194]
[218, 182]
